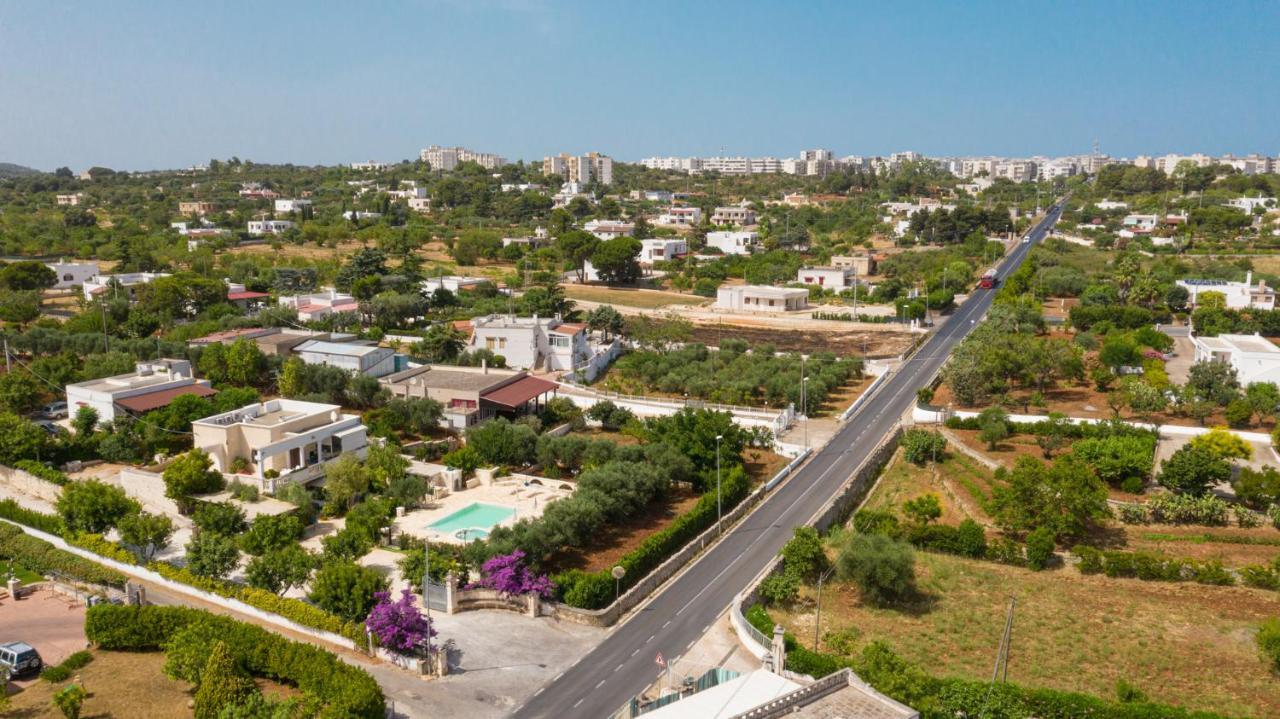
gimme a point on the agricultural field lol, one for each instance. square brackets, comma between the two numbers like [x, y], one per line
[644, 299]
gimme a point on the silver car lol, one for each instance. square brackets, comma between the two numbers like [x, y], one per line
[20, 659]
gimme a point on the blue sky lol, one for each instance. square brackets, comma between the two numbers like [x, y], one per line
[136, 85]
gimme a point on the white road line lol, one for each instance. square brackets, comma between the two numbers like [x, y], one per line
[635, 652]
[540, 690]
[575, 704]
[664, 626]
[649, 639]
[599, 684]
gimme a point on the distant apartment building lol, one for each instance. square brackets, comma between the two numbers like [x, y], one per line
[287, 438]
[261, 228]
[447, 158]
[126, 283]
[69, 200]
[733, 243]
[691, 165]
[72, 274]
[1016, 170]
[761, 298]
[661, 249]
[320, 304]
[470, 395]
[152, 385]
[196, 207]
[680, 216]
[582, 169]
[1239, 295]
[828, 278]
[734, 215]
[609, 229]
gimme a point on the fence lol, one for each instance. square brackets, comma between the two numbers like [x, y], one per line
[862, 398]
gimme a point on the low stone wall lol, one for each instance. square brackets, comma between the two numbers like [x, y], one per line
[854, 489]
[30, 485]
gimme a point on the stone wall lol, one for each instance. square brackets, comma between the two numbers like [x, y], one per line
[148, 489]
[838, 507]
[27, 484]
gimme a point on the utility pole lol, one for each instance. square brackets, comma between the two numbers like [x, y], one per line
[426, 591]
[7, 367]
[718, 506]
[817, 622]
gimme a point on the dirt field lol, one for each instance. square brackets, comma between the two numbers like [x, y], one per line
[644, 299]
[846, 343]
[1185, 644]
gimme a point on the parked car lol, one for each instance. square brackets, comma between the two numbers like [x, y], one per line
[55, 410]
[48, 426]
[20, 659]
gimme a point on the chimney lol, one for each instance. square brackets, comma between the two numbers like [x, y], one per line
[1248, 278]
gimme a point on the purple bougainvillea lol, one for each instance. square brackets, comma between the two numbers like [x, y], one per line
[399, 625]
[507, 573]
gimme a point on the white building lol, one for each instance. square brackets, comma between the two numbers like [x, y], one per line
[258, 228]
[291, 205]
[1249, 204]
[733, 243]
[72, 274]
[372, 360]
[761, 298]
[734, 215]
[287, 437]
[680, 216]
[661, 249]
[419, 204]
[582, 169]
[537, 343]
[371, 165]
[1254, 358]
[653, 195]
[447, 158]
[320, 304]
[609, 229]
[150, 386]
[360, 215]
[127, 282]
[1141, 223]
[830, 278]
[70, 200]
[1240, 295]
[1111, 205]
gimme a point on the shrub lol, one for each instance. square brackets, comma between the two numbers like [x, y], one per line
[40, 556]
[62, 672]
[1135, 513]
[43, 471]
[876, 521]
[1119, 459]
[1259, 577]
[781, 587]
[347, 589]
[883, 568]
[803, 554]
[14, 512]
[966, 540]
[342, 689]
[220, 684]
[1006, 551]
[1182, 509]
[92, 506]
[921, 445]
[1039, 548]
[69, 700]
[1269, 642]
[609, 415]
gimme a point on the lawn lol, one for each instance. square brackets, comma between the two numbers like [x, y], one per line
[24, 575]
[119, 685]
[644, 299]
[1185, 644]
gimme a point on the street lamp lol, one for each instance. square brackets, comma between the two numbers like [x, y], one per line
[426, 589]
[804, 407]
[817, 620]
[718, 510]
[618, 573]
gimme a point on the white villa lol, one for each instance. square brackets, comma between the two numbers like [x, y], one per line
[1240, 295]
[72, 274]
[151, 385]
[128, 281]
[660, 249]
[372, 360]
[733, 243]
[1254, 358]
[761, 298]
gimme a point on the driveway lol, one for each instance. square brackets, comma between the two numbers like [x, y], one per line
[52, 623]
[1184, 354]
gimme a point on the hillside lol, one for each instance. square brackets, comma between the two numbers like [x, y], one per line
[8, 169]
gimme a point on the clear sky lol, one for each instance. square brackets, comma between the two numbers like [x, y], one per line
[137, 85]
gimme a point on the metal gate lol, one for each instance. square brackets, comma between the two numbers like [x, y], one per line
[435, 595]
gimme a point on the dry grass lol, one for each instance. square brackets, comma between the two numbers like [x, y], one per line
[644, 299]
[1185, 644]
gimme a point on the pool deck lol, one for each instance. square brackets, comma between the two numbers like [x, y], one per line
[509, 494]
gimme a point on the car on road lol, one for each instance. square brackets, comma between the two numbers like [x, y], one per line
[20, 659]
[1026, 239]
[55, 410]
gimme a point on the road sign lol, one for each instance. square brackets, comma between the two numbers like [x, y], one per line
[659, 660]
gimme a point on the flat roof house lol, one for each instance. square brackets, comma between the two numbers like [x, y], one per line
[761, 298]
[472, 394]
[291, 437]
[258, 228]
[733, 215]
[733, 243]
[860, 264]
[291, 205]
[1254, 358]
[453, 283]
[660, 249]
[129, 281]
[832, 278]
[1239, 295]
[320, 304]
[680, 216]
[151, 385]
[609, 229]
[72, 274]
[273, 341]
[372, 360]
[196, 208]
[538, 343]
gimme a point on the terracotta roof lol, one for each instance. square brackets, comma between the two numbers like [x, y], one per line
[568, 328]
[246, 295]
[162, 398]
[517, 393]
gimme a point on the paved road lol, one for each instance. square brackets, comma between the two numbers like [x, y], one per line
[624, 663]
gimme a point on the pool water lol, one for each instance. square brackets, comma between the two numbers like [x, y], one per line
[476, 517]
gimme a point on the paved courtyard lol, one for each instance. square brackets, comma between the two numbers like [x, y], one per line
[526, 501]
[52, 623]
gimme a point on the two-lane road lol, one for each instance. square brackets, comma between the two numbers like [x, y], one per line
[623, 664]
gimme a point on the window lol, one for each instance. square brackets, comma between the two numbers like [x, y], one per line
[559, 341]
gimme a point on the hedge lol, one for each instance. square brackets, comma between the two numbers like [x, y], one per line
[42, 557]
[1070, 430]
[1151, 567]
[949, 698]
[62, 672]
[43, 471]
[343, 690]
[14, 512]
[594, 590]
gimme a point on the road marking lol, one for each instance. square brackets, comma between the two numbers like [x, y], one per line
[649, 639]
[575, 704]
[664, 626]
[615, 670]
[599, 684]
[635, 652]
[540, 690]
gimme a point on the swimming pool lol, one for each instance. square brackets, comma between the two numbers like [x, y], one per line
[475, 519]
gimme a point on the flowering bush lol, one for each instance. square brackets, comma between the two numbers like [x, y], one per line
[508, 574]
[399, 625]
